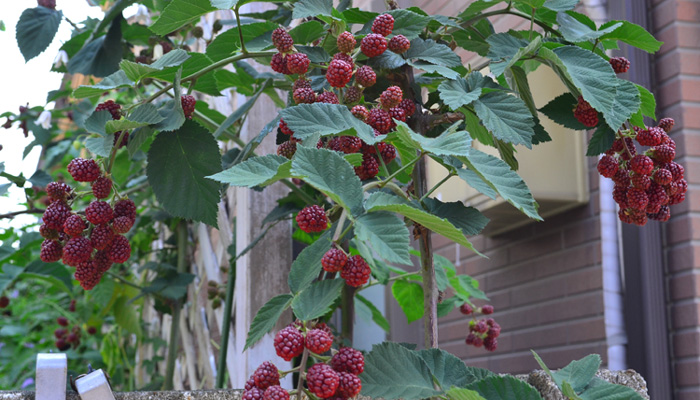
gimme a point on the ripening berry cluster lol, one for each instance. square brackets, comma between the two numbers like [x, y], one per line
[339, 73]
[116, 111]
[484, 331]
[646, 184]
[354, 270]
[91, 242]
[67, 337]
[584, 112]
[335, 378]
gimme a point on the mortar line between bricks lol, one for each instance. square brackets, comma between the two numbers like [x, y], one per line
[549, 278]
[685, 302]
[682, 331]
[686, 359]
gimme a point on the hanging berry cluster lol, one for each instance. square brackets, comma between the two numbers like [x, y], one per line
[484, 331]
[646, 184]
[67, 337]
[336, 378]
[339, 73]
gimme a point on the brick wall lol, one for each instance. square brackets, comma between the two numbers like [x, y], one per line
[677, 23]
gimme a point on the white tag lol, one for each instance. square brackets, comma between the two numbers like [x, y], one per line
[94, 386]
[51, 372]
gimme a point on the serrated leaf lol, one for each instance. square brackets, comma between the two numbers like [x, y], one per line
[578, 373]
[502, 48]
[125, 315]
[178, 13]
[171, 111]
[387, 235]
[325, 119]
[463, 394]
[387, 60]
[377, 316]
[409, 295]
[178, 162]
[451, 142]
[382, 378]
[146, 113]
[137, 138]
[380, 201]
[97, 121]
[114, 81]
[626, 103]
[223, 4]
[137, 71]
[123, 125]
[100, 57]
[328, 172]
[634, 35]
[560, 5]
[468, 219]
[432, 52]
[435, 69]
[408, 23]
[266, 318]
[100, 146]
[601, 141]
[456, 93]
[36, 29]
[575, 31]
[256, 171]
[561, 111]
[466, 287]
[648, 106]
[505, 388]
[505, 181]
[447, 369]
[307, 32]
[602, 390]
[307, 265]
[56, 272]
[312, 8]
[317, 299]
[506, 117]
[475, 374]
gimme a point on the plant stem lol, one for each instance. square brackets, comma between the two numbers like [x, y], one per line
[304, 196]
[348, 315]
[302, 368]
[177, 307]
[124, 281]
[437, 185]
[113, 155]
[400, 170]
[226, 324]
[240, 31]
[341, 221]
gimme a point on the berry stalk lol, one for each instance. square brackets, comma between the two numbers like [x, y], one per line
[226, 326]
[177, 307]
[302, 369]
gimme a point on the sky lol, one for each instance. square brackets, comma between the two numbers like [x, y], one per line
[22, 83]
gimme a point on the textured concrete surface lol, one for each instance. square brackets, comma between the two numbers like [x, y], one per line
[549, 390]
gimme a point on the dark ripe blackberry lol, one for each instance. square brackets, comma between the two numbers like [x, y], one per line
[102, 261]
[368, 169]
[125, 208]
[666, 124]
[663, 153]
[360, 112]
[641, 164]
[266, 375]
[119, 250]
[608, 166]
[322, 380]
[650, 137]
[287, 149]
[409, 107]
[383, 25]
[620, 64]
[122, 224]
[125, 138]
[282, 40]
[373, 45]
[101, 236]
[83, 170]
[51, 251]
[58, 191]
[74, 225]
[312, 219]
[279, 64]
[677, 170]
[365, 76]
[640, 181]
[301, 83]
[76, 250]
[304, 96]
[345, 144]
[620, 196]
[289, 343]
[346, 42]
[101, 187]
[344, 57]
[48, 233]
[380, 120]
[284, 128]
[298, 63]
[112, 107]
[99, 212]
[663, 215]
[338, 73]
[663, 176]
[637, 199]
[327, 97]
[353, 94]
[318, 341]
[55, 215]
[387, 151]
[356, 271]
[87, 274]
[399, 44]
[188, 104]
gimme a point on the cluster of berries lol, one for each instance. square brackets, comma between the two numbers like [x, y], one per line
[588, 115]
[67, 337]
[338, 379]
[354, 270]
[645, 184]
[216, 293]
[116, 111]
[340, 71]
[482, 332]
[91, 244]
[4, 302]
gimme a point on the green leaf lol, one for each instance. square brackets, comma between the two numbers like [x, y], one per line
[137, 138]
[506, 117]
[307, 265]
[561, 5]
[503, 47]
[226, 43]
[383, 378]
[466, 287]
[125, 315]
[36, 29]
[626, 103]
[468, 219]
[561, 111]
[101, 146]
[409, 295]
[463, 394]
[239, 113]
[634, 35]
[432, 52]
[328, 172]
[475, 181]
[380, 201]
[223, 4]
[387, 60]
[312, 8]
[171, 111]
[137, 71]
[450, 143]
[146, 113]
[568, 391]
[179, 13]
[522, 87]
[456, 93]
[505, 388]
[475, 374]
[377, 316]
[266, 318]
[578, 373]
[114, 81]
[124, 125]
[602, 390]
[256, 171]
[97, 121]
[307, 32]
[601, 141]
[447, 369]
[54, 272]
[387, 235]
[505, 181]
[574, 30]
[307, 120]
[177, 164]
[648, 106]
[317, 299]
[408, 23]
[100, 57]
[436, 69]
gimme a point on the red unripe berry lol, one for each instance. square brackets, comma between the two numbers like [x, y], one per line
[373, 45]
[399, 44]
[650, 137]
[637, 199]
[360, 112]
[279, 64]
[391, 97]
[47, 3]
[490, 343]
[122, 224]
[640, 181]
[318, 341]
[368, 169]
[327, 97]
[663, 153]
[55, 215]
[334, 260]
[91, 330]
[349, 360]
[304, 96]
[63, 321]
[275, 392]
[266, 375]
[112, 107]
[58, 191]
[282, 40]
[353, 94]
[77, 250]
[344, 57]
[346, 42]
[349, 385]
[188, 104]
[74, 225]
[620, 64]
[83, 170]
[641, 164]
[322, 380]
[99, 212]
[125, 208]
[366, 76]
[608, 166]
[101, 187]
[287, 149]
[466, 309]
[119, 250]
[356, 271]
[339, 73]
[252, 393]
[487, 309]
[380, 120]
[62, 345]
[59, 333]
[409, 106]
[666, 124]
[101, 236]
[312, 219]
[88, 275]
[298, 63]
[284, 128]
[387, 151]
[383, 25]
[663, 215]
[51, 251]
[289, 343]
[4, 302]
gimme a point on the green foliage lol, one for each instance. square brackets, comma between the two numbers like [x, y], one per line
[307, 265]
[36, 29]
[179, 13]
[267, 317]
[316, 300]
[409, 295]
[504, 388]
